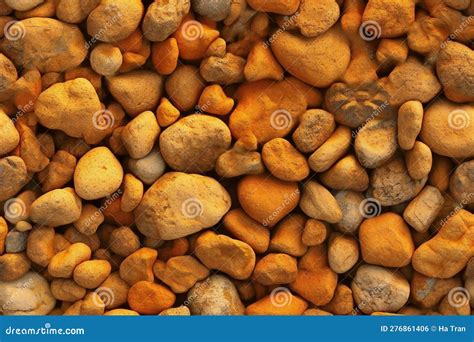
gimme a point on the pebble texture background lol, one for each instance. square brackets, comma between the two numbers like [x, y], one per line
[232, 157]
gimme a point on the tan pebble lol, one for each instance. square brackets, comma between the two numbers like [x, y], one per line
[180, 273]
[316, 126]
[286, 237]
[60, 243]
[164, 56]
[410, 119]
[392, 289]
[261, 64]
[149, 298]
[419, 161]
[180, 204]
[184, 86]
[346, 174]
[90, 220]
[56, 208]
[217, 48]
[343, 252]
[213, 100]
[317, 64]
[448, 252]
[244, 228]
[238, 161]
[234, 257]
[316, 312]
[98, 174]
[74, 11]
[318, 203]
[63, 263]
[13, 266]
[121, 312]
[90, 274]
[140, 134]
[351, 203]
[226, 70]
[92, 305]
[132, 193]
[275, 268]
[376, 143]
[8, 133]
[106, 59]
[314, 233]
[315, 281]
[393, 248]
[194, 143]
[424, 208]
[440, 173]
[128, 13]
[179, 311]
[331, 150]
[23, 226]
[138, 266]
[166, 113]
[123, 241]
[149, 168]
[40, 245]
[284, 161]
[67, 290]
[13, 176]
[267, 199]
[127, 89]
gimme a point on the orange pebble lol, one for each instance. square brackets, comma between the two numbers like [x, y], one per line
[149, 298]
[165, 56]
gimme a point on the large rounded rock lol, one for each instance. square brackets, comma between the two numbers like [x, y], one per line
[56, 208]
[455, 67]
[216, 295]
[13, 176]
[318, 61]
[448, 129]
[215, 10]
[9, 136]
[44, 43]
[378, 289]
[461, 184]
[98, 174]
[180, 204]
[114, 20]
[73, 108]
[8, 76]
[194, 143]
[29, 295]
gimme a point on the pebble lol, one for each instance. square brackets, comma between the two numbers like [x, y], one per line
[215, 10]
[56, 208]
[140, 134]
[98, 174]
[287, 236]
[346, 174]
[220, 252]
[284, 161]
[343, 252]
[316, 126]
[275, 268]
[377, 289]
[9, 137]
[13, 176]
[180, 204]
[149, 168]
[318, 203]
[148, 298]
[29, 295]
[410, 119]
[216, 295]
[424, 208]
[194, 143]
[162, 18]
[15, 241]
[419, 161]
[461, 185]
